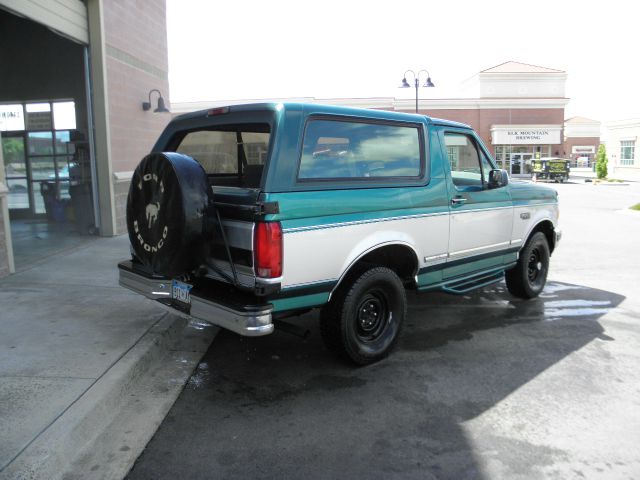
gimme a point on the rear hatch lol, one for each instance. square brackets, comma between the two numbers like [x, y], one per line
[233, 145]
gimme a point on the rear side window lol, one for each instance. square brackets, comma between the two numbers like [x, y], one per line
[231, 155]
[335, 150]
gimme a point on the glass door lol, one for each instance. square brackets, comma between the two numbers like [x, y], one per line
[17, 173]
[49, 160]
[527, 158]
[521, 164]
[516, 163]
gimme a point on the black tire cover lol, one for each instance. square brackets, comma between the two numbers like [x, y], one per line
[166, 213]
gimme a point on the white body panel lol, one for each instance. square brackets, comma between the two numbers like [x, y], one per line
[325, 253]
[479, 231]
[526, 217]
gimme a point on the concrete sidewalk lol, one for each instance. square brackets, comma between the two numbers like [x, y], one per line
[88, 369]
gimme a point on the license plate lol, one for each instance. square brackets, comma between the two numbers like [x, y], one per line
[181, 292]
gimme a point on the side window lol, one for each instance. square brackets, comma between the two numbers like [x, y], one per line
[467, 167]
[486, 167]
[341, 150]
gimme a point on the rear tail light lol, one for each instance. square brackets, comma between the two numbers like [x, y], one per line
[268, 249]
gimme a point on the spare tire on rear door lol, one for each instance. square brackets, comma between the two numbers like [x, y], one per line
[166, 213]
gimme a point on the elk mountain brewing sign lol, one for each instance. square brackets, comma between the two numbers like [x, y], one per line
[526, 136]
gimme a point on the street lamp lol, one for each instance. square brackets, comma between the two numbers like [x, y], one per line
[416, 80]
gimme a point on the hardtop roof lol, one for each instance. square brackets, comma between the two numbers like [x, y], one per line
[317, 108]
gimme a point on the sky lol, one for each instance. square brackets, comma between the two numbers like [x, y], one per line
[356, 49]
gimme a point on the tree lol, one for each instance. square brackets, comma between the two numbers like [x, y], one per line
[13, 150]
[601, 162]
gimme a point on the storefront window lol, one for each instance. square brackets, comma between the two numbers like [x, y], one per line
[39, 145]
[627, 152]
[516, 159]
[64, 115]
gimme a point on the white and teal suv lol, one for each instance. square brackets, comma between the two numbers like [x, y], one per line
[245, 215]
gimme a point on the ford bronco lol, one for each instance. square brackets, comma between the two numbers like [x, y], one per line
[243, 216]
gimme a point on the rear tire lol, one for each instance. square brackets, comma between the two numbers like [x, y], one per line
[364, 319]
[528, 278]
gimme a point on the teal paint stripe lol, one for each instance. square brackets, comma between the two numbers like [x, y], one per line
[480, 207]
[295, 303]
[429, 278]
[457, 280]
[360, 222]
[471, 258]
[311, 288]
[532, 203]
[471, 267]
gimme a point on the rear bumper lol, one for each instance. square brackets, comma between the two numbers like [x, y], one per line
[247, 320]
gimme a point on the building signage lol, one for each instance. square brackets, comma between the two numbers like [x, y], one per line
[11, 118]
[583, 149]
[526, 135]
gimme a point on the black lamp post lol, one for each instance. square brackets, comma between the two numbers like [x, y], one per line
[416, 80]
[161, 106]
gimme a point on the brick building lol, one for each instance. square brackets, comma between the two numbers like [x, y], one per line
[581, 141]
[518, 110]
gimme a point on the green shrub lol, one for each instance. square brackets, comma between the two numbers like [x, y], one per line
[601, 162]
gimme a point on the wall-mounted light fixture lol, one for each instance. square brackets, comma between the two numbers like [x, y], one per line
[161, 106]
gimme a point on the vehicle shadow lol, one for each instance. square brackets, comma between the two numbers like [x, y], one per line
[283, 407]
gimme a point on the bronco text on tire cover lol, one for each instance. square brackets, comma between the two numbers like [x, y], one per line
[166, 213]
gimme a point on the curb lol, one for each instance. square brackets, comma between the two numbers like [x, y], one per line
[104, 431]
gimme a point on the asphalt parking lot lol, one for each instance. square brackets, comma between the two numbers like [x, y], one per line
[481, 386]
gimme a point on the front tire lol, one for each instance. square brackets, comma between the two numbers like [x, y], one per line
[364, 319]
[528, 278]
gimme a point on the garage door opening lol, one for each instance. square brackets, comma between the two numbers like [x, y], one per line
[47, 161]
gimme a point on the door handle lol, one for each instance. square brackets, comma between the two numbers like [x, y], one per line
[458, 201]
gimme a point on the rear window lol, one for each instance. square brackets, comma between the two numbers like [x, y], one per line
[231, 155]
[345, 150]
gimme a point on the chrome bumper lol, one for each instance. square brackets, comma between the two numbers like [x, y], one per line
[251, 323]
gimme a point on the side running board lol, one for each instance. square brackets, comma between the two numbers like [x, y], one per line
[467, 284]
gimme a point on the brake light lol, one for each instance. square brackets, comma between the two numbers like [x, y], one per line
[217, 111]
[268, 249]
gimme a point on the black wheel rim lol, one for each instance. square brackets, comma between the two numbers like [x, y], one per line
[372, 316]
[535, 267]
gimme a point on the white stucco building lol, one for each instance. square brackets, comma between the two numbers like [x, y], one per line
[622, 149]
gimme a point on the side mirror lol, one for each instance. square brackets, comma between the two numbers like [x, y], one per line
[498, 178]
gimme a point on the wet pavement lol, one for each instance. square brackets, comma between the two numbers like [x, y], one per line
[481, 386]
